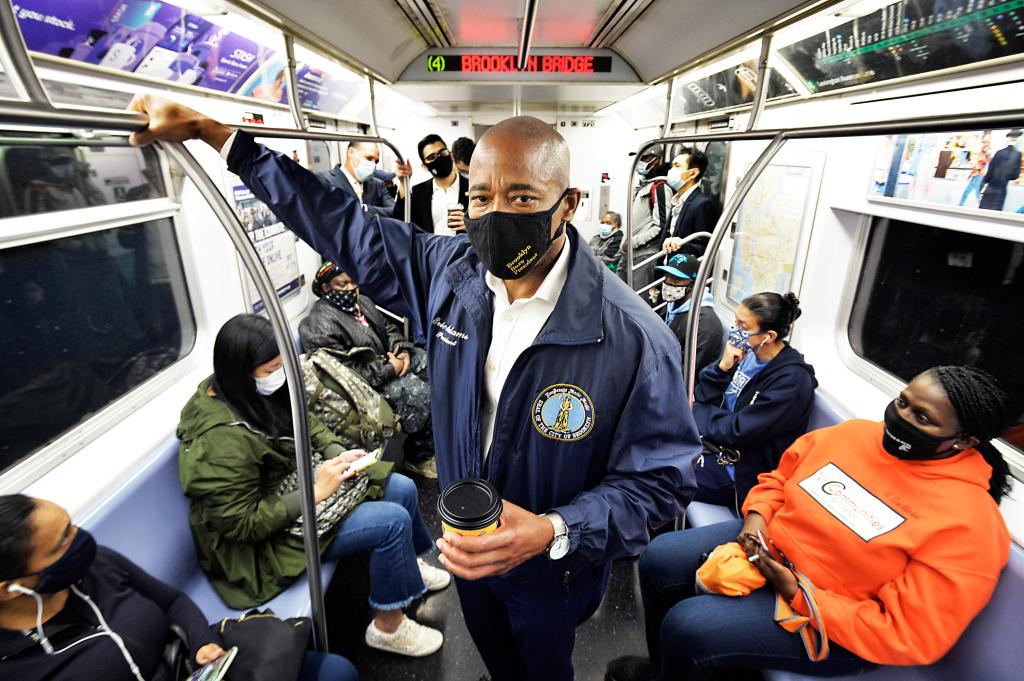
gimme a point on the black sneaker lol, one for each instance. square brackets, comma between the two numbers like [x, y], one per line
[630, 668]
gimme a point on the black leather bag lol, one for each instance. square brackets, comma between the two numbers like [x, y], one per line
[269, 648]
[177, 660]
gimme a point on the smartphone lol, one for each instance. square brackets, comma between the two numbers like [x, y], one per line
[364, 462]
[216, 670]
[770, 549]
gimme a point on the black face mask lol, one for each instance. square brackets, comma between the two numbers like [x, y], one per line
[904, 441]
[69, 568]
[441, 166]
[511, 244]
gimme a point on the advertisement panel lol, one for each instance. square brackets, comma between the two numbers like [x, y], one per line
[959, 171]
[156, 39]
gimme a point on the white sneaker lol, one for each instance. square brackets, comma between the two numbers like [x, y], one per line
[411, 638]
[434, 578]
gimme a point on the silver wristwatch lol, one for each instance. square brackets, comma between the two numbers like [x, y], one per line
[559, 546]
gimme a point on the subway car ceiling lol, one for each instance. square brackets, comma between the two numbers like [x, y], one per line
[639, 41]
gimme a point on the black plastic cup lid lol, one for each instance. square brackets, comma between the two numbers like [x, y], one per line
[469, 504]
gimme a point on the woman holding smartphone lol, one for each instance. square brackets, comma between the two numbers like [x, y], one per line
[70, 609]
[237, 466]
[896, 525]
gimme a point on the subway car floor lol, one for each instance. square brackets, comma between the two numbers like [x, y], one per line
[616, 628]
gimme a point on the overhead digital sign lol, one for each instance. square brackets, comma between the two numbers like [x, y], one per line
[506, 63]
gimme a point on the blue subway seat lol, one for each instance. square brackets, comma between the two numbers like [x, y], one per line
[146, 518]
[988, 651]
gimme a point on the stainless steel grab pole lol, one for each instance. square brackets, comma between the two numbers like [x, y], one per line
[763, 75]
[373, 107]
[21, 63]
[296, 389]
[628, 243]
[294, 105]
[707, 262]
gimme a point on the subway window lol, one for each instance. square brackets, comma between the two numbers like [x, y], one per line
[48, 175]
[929, 296]
[85, 319]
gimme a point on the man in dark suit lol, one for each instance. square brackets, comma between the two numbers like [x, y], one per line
[356, 176]
[438, 204]
[1004, 167]
[691, 211]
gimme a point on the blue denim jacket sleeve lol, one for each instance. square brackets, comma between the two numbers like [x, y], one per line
[392, 261]
[650, 478]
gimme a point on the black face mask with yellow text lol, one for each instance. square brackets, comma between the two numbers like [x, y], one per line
[511, 244]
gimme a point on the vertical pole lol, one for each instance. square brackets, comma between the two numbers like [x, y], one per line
[668, 110]
[293, 84]
[628, 238]
[373, 108]
[296, 388]
[763, 76]
[526, 33]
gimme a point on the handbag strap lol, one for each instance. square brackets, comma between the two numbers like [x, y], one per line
[812, 627]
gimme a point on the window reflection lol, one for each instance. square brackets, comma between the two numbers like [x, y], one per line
[52, 177]
[86, 319]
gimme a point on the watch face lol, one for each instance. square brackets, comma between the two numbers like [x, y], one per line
[559, 548]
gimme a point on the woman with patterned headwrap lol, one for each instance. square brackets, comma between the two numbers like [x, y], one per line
[343, 319]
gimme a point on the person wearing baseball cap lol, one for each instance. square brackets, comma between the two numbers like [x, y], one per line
[677, 290]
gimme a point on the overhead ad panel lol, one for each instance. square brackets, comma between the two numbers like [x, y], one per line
[155, 39]
[908, 39]
[497, 64]
[725, 89]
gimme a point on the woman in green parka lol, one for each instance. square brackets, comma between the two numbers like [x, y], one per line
[237, 466]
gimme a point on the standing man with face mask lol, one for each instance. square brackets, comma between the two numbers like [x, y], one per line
[356, 176]
[438, 204]
[554, 382]
[692, 211]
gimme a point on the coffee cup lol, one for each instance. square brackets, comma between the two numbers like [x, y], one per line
[470, 507]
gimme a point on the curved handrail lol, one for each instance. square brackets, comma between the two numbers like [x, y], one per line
[21, 63]
[293, 374]
[721, 227]
[42, 114]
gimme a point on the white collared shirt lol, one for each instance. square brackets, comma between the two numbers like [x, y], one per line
[514, 327]
[677, 205]
[439, 203]
[356, 184]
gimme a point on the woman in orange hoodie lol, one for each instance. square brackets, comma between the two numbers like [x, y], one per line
[896, 524]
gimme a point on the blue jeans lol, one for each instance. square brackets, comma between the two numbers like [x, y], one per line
[394, 529]
[326, 667]
[973, 187]
[690, 635]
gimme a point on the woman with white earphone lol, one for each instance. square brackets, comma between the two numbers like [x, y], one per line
[74, 611]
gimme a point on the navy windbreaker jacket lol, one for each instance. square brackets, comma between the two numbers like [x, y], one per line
[771, 412]
[589, 422]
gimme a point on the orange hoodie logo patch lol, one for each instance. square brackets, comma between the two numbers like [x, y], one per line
[851, 504]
